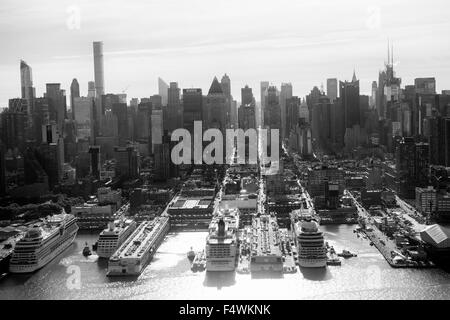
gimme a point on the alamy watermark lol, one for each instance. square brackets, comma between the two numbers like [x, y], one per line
[189, 150]
[73, 21]
[73, 282]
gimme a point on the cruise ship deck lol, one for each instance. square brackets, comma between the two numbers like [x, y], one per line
[136, 252]
[222, 241]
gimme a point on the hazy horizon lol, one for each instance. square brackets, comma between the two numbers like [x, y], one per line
[191, 42]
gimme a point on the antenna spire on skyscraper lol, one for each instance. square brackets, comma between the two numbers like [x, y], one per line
[389, 58]
[392, 55]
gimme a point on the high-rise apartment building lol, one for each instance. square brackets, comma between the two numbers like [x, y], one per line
[99, 76]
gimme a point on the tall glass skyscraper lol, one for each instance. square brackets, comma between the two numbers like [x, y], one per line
[26, 81]
[98, 69]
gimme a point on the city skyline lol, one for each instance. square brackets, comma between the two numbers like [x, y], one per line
[224, 150]
[288, 51]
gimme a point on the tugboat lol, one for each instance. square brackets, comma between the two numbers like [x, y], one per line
[191, 255]
[86, 250]
[199, 263]
[333, 259]
[346, 254]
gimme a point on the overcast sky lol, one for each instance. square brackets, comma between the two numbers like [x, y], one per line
[302, 42]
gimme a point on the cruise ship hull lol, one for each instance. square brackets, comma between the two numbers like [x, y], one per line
[214, 265]
[312, 263]
[28, 268]
[107, 251]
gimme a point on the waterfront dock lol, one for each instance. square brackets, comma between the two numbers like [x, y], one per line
[287, 247]
[386, 247]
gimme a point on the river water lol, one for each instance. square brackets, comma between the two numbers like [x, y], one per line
[168, 276]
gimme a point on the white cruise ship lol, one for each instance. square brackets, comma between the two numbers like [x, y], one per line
[113, 236]
[43, 242]
[221, 242]
[136, 252]
[312, 252]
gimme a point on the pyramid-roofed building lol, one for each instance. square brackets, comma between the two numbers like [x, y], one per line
[215, 88]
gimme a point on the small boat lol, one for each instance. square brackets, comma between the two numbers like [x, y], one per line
[199, 263]
[191, 255]
[3, 275]
[333, 259]
[94, 246]
[86, 250]
[346, 254]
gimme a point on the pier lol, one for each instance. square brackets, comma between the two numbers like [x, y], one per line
[386, 249]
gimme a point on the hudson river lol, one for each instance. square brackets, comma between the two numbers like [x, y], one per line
[168, 276]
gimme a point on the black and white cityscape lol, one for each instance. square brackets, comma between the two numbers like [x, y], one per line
[314, 185]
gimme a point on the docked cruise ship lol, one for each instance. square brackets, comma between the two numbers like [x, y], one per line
[43, 242]
[113, 236]
[310, 243]
[222, 241]
[136, 252]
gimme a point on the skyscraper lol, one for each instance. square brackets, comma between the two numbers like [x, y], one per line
[292, 113]
[120, 110]
[264, 85]
[388, 88]
[225, 82]
[74, 93]
[285, 93]
[95, 161]
[272, 112]
[91, 89]
[247, 95]
[26, 81]
[127, 162]
[174, 108]
[192, 108]
[332, 88]
[247, 112]
[349, 95]
[156, 126]
[163, 91]
[156, 101]
[57, 104]
[216, 107]
[98, 69]
[425, 85]
[162, 158]
[83, 112]
[13, 124]
[231, 113]
[373, 97]
[247, 117]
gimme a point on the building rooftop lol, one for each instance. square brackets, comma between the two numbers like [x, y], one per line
[436, 235]
[215, 88]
